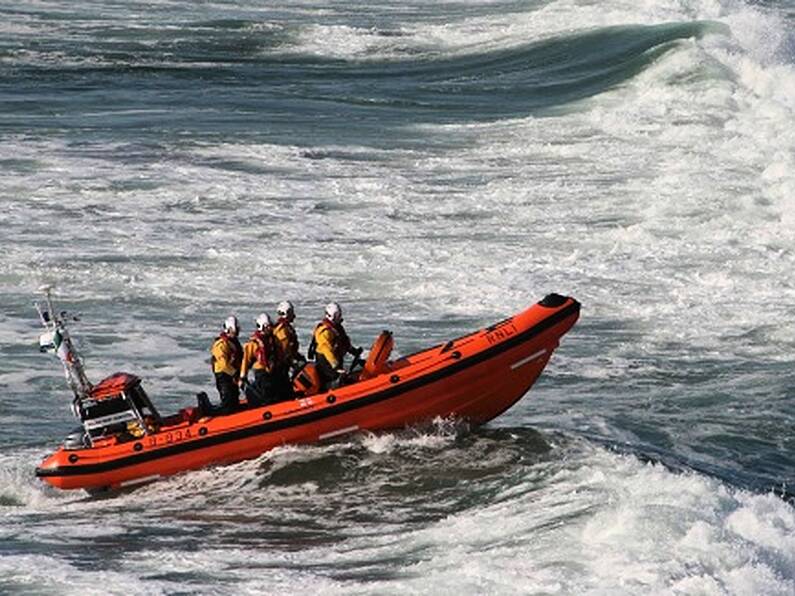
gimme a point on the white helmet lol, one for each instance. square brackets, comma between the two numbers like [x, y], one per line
[285, 309]
[231, 325]
[263, 321]
[334, 312]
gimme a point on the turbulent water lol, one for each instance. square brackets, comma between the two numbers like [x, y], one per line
[434, 167]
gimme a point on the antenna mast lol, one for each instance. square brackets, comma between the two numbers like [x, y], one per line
[56, 339]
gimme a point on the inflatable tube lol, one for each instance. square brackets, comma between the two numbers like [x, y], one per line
[475, 378]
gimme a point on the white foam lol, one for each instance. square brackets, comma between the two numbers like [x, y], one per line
[443, 434]
[585, 520]
[44, 574]
[611, 525]
[461, 33]
[18, 486]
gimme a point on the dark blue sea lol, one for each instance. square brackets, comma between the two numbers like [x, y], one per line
[434, 167]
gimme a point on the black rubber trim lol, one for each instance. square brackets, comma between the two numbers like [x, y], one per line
[499, 324]
[553, 300]
[326, 412]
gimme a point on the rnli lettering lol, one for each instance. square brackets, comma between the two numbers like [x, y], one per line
[500, 334]
[170, 438]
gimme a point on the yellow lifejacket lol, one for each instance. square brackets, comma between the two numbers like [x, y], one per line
[331, 342]
[258, 353]
[227, 355]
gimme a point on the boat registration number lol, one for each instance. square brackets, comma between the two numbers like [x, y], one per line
[169, 438]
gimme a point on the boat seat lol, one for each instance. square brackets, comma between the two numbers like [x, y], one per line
[378, 359]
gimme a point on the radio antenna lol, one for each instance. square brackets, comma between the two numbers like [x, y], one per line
[56, 339]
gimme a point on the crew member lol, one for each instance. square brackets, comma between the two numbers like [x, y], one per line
[329, 345]
[259, 355]
[226, 357]
[287, 354]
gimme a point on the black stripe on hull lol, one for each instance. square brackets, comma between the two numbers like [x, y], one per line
[326, 412]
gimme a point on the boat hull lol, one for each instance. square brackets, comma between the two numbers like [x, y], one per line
[474, 378]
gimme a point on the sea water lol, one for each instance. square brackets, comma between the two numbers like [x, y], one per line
[434, 167]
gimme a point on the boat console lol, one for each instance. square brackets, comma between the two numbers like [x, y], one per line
[118, 405]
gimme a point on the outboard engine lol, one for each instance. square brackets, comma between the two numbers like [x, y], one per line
[77, 439]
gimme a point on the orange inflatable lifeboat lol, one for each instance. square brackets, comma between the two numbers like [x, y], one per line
[124, 440]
